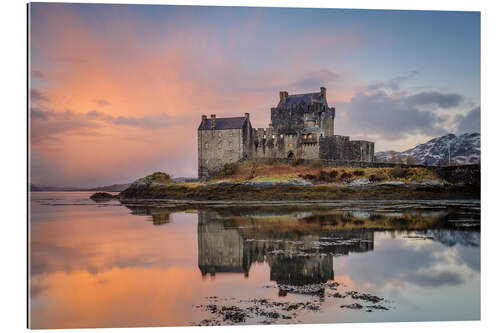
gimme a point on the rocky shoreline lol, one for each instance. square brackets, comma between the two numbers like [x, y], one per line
[279, 192]
[306, 187]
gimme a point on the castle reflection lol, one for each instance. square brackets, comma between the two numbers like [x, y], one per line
[297, 254]
[299, 246]
[159, 216]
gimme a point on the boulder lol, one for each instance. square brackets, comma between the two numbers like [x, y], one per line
[102, 196]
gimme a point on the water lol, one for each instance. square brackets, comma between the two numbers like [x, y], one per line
[109, 265]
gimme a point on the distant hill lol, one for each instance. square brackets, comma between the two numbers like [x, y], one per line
[465, 149]
[43, 188]
[108, 188]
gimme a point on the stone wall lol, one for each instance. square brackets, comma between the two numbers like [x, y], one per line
[362, 150]
[339, 147]
[218, 147]
[333, 148]
[295, 118]
[219, 249]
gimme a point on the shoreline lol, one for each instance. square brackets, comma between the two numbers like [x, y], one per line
[303, 193]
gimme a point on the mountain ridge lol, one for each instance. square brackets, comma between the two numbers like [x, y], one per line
[464, 149]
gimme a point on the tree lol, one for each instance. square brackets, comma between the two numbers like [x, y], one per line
[410, 160]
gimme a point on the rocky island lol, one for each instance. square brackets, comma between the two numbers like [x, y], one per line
[252, 181]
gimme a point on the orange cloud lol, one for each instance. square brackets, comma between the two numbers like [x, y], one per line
[143, 77]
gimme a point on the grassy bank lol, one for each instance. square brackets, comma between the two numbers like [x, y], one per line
[318, 174]
[273, 182]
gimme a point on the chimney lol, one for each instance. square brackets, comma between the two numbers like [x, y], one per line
[212, 121]
[203, 118]
[323, 92]
[247, 115]
[283, 95]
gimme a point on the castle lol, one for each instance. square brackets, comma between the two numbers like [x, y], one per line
[302, 127]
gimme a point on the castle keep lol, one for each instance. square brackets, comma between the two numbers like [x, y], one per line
[302, 127]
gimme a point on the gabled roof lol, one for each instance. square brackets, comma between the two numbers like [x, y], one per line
[297, 99]
[223, 123]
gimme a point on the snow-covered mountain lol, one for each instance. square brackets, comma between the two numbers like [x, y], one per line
[464, 149]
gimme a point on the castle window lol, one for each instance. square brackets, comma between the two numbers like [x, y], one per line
[281, 136]
[273, 136]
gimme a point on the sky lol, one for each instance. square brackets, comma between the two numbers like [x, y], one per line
[117, 91]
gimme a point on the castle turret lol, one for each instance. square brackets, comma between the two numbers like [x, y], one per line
[212, 121]
[283, 95]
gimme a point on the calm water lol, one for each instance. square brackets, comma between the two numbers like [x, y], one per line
[109, 265]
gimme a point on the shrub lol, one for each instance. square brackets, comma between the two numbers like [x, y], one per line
[345, 176]
[156, 177]
[410, 160]
[399, 172]
[358, 173]
[227, 170]
[334, 174]
[160, 176]
[358, 222]
[375, 178]
[324, 176]
[307, 176]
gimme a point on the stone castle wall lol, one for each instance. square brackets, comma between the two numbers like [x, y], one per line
[217, 147]
[302, 127]
[268, 143]
[295, 118]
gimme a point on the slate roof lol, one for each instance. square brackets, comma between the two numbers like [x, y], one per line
[297, 99]
[224, 123]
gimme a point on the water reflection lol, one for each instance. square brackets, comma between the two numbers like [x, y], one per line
[295, 256]
[300, 248]
[104, 265]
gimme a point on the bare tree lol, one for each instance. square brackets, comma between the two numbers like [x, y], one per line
[410, 160]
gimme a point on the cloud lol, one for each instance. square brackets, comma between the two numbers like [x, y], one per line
[435, 99]
[71, 60]
[435, 278]
[393, 84]
[316, 79]
[48, 124]
[386, 116]
[147, 121]
[469, 123]
[38, 74]
[37, 96]
[102, 102]
[403, 261]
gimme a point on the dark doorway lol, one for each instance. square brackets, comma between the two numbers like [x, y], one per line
[290, 155]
